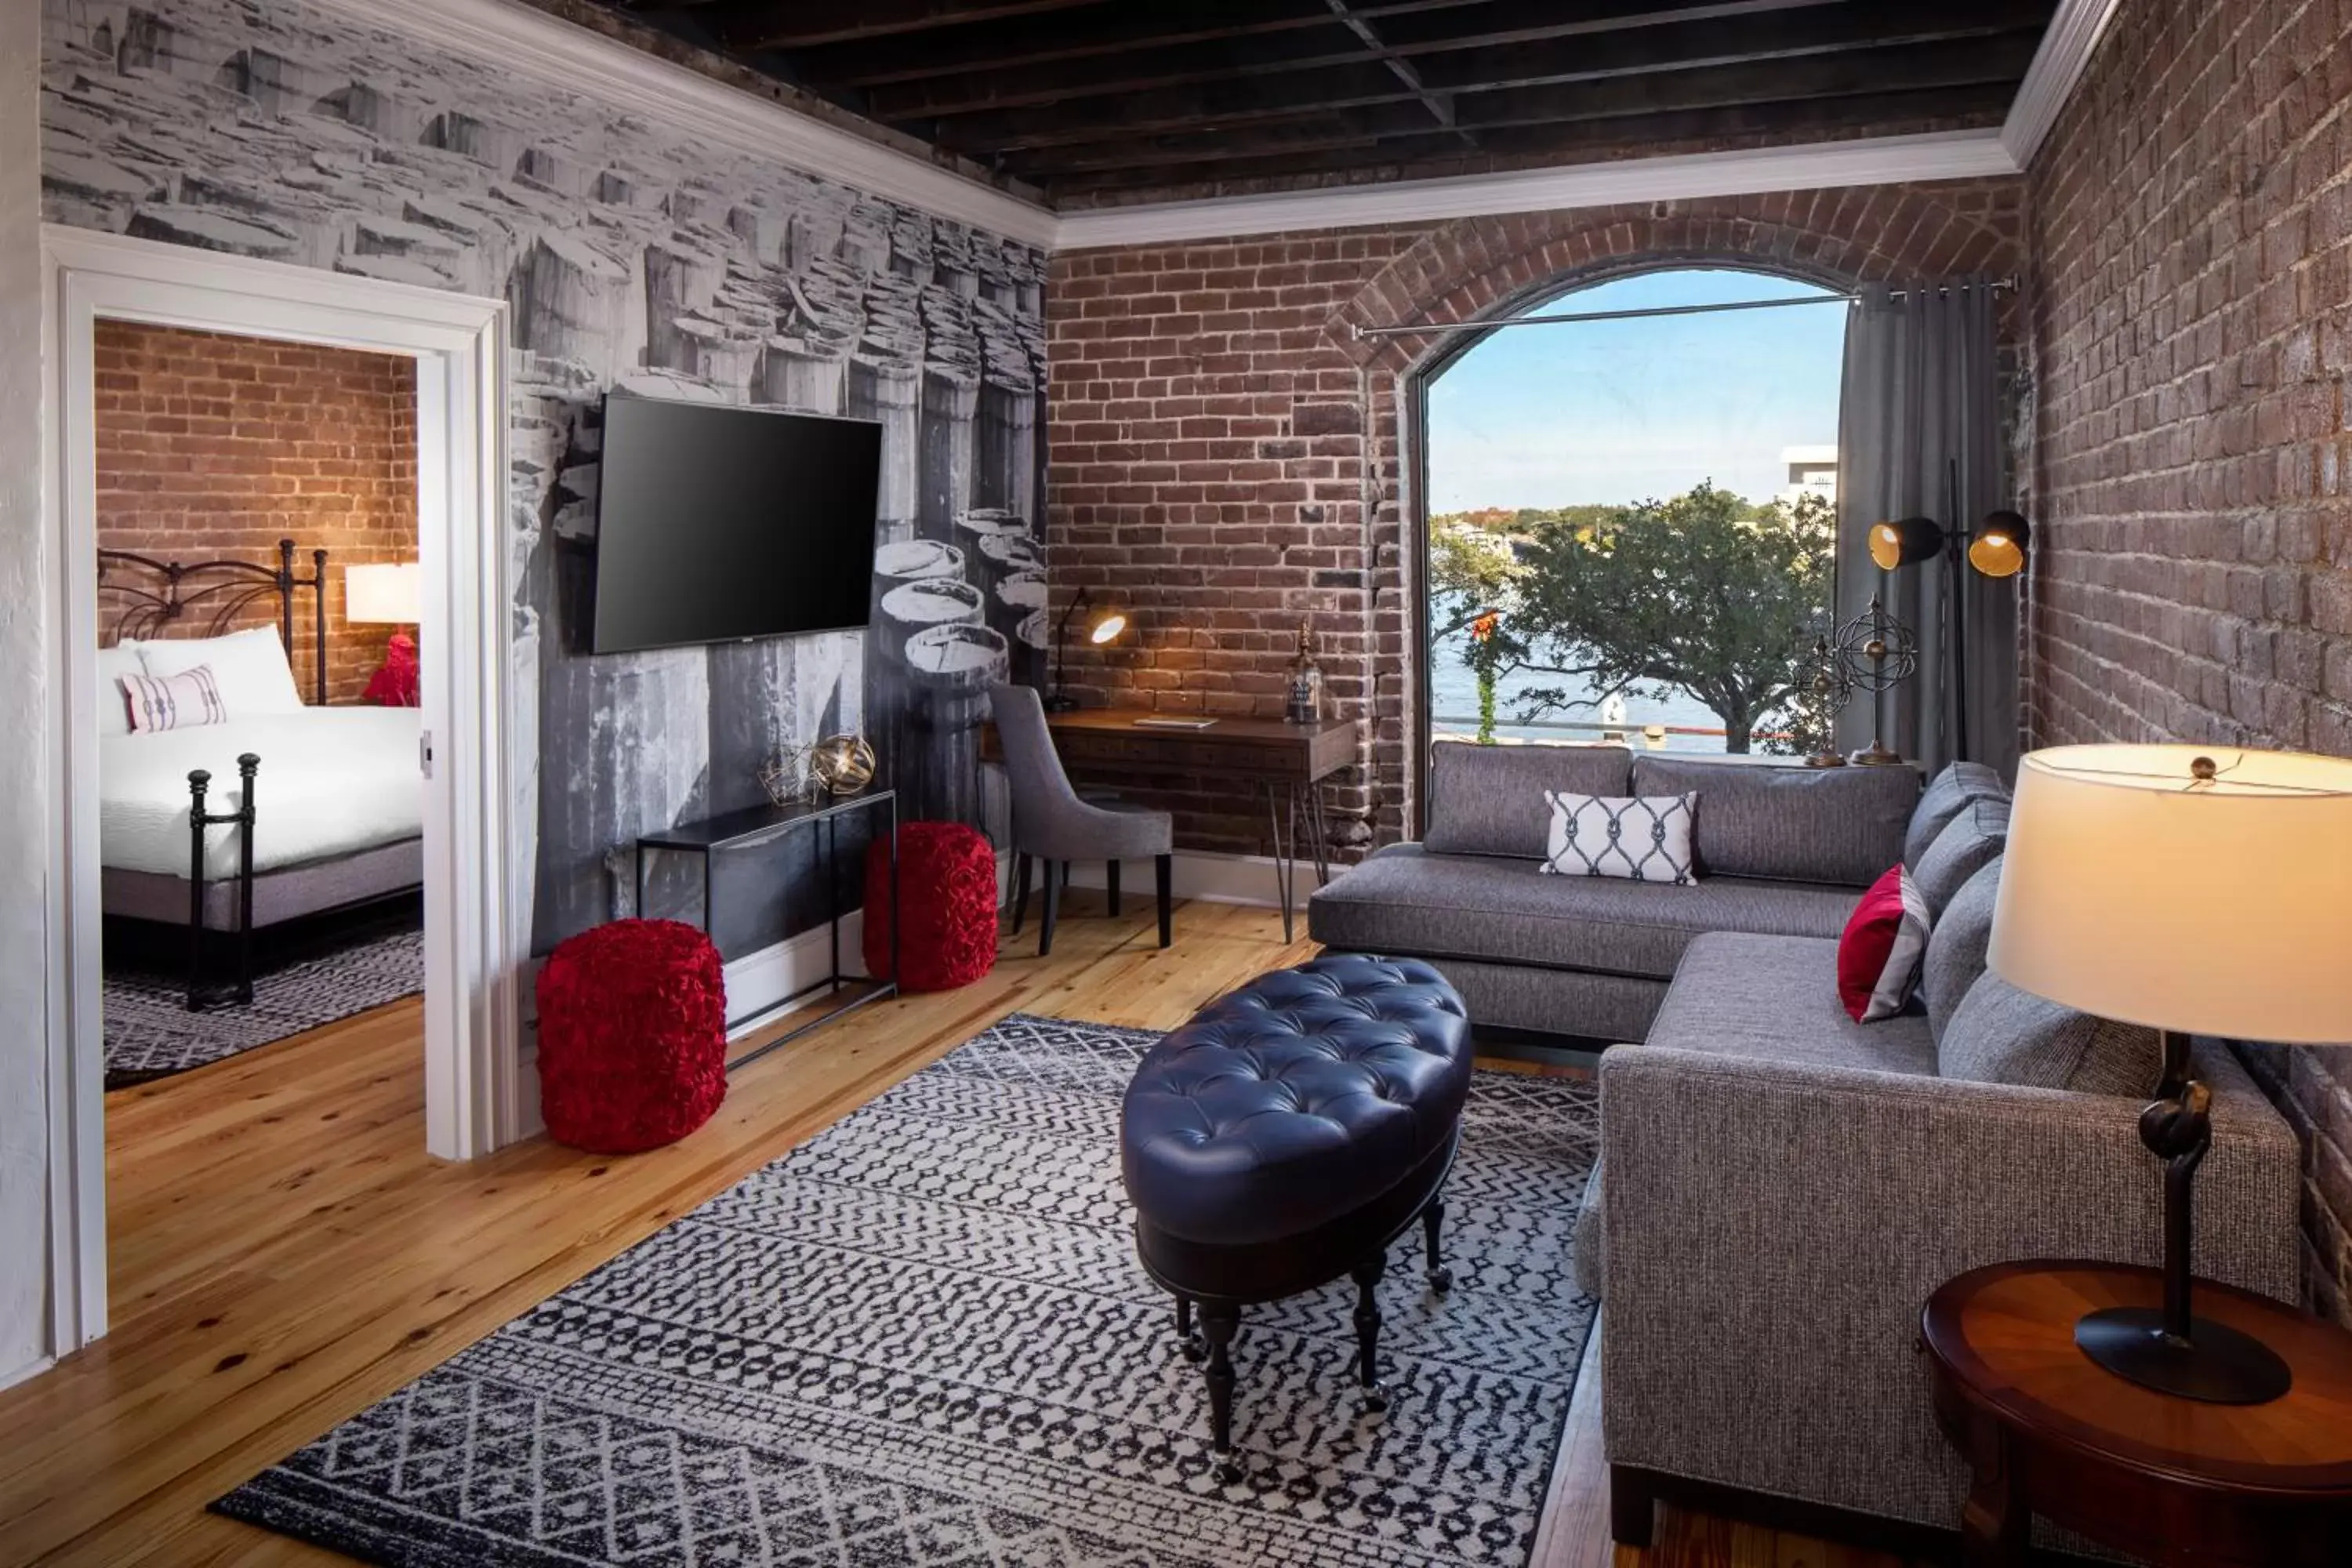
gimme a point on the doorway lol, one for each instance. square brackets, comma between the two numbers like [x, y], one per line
[474, 909]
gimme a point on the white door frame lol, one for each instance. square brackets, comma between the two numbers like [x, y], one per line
[474, 908]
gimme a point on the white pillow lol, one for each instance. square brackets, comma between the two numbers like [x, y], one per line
[1642, 838]
[249, 667]
[114, 704]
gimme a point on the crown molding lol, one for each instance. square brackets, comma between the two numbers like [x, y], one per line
[2057, 69]
[1871, 161]
[515, 36]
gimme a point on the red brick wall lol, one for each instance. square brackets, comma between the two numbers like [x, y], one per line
[211, 447]
[1225, 456]
[2192, 239]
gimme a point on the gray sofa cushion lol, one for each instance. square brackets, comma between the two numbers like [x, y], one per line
[1840, 826]
[1489, 800]
[1941, 801]
[1968, 845]
[1776, 997]
[2000, 1034]
[1406, 900]
[1956, 947]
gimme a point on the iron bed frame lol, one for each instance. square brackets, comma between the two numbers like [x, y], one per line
[223, 590]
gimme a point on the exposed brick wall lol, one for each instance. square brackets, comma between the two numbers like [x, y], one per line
[213, 446]
[1225, 456]
[2192, 240]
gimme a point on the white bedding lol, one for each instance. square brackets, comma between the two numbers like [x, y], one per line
[332, 781]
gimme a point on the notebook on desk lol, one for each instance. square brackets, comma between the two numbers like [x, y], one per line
[1158, 723]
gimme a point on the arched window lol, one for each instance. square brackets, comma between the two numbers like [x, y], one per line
[1630, 521]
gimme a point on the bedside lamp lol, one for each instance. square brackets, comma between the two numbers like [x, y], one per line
[2197, 891]
[388, 595]
[1101, 626]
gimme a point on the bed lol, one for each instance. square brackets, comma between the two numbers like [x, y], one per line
[279, 809]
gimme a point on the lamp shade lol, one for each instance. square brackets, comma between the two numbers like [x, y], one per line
[1107, 627]
[1903, 541]
[389, 594]
[2202, 889]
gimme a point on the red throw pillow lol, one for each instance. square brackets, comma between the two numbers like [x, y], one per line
[1885, 940]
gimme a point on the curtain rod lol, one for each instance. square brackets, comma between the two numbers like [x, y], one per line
[1361, 331]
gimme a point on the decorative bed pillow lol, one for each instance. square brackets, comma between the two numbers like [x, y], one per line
[1642, 838]
[1878, 957]
[113, 703]
[249, 667]
[183, 701]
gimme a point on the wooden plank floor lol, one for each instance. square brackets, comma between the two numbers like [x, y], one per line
[283, 1253]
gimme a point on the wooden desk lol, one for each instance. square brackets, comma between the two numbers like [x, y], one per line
[1283, 762]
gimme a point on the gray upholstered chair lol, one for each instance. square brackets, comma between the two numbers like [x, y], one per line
[1050, 823]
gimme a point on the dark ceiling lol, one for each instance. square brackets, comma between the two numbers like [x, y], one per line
[1095, 101]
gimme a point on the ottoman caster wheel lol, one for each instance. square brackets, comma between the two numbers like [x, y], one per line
[1441, 1280]
[1376, 1399]
[1193, 1348]
[1228, 1472]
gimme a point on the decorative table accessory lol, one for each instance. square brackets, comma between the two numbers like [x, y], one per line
[842, 764]
[1878, 653]
[2194, 890]
[1304, 703]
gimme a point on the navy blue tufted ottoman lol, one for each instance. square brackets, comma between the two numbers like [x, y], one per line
[1284, 1138]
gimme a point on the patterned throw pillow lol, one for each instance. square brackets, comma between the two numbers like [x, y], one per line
[181, 701]
[1885, 940]
[1642, 838]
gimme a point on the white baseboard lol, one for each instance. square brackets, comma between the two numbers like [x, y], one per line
[758, 981]
[1204, 878]
[26, 1372]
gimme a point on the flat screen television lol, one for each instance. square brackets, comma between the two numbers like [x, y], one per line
[717, 523]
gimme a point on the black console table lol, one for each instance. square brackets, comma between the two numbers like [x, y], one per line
[762, 823]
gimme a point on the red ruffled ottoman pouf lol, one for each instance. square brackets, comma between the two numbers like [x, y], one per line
[632, 1037]
[947, 888]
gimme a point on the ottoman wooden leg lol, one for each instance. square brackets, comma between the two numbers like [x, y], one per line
[1187, 1340]
[1433, 1225]
[1218, 1325]
[1368, 1331]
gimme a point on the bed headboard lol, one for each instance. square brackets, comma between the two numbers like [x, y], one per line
[154, 594]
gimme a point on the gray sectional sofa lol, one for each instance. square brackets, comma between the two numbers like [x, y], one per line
[1780, 1189]
[1782, 850]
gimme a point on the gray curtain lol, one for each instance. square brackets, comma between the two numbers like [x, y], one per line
[1921, 405]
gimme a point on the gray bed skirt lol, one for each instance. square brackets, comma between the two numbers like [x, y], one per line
[285, 894]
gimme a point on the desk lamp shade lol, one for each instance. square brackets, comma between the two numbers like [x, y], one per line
[2135, 890]
[386, 594]
[2198, 890]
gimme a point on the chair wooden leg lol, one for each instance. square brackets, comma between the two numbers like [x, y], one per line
[1021, 891]
[1164, 868]
[1110, 883]
[1058, 877]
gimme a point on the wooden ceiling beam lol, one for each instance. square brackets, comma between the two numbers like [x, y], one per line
[1174, 61]
[1985, 63]
[1432, 153]
[1439, 104]
[751, 26]
[1314, 91]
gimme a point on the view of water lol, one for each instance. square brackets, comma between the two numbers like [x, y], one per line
[1454, 705]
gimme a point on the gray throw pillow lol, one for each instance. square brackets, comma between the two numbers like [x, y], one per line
[1967, 845]
[1956, 947]
[2000, 1034]
[1489, 800]
[1941, 801]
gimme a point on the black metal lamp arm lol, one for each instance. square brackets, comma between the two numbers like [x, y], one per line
[1058, 699]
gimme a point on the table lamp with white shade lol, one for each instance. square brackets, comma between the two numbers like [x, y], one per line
[2197, 891]
[388, 594]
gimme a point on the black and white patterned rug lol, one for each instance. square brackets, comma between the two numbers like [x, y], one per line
[151, 1033]
[922, 1338]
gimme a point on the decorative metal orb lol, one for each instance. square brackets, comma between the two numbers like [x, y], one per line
[786, 778]
[843, 764]
[1876, 651]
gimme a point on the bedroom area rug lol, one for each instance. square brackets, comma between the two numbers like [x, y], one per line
[151, 1033]
[923, 1337]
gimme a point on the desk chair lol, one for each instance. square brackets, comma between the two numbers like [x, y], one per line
[1050, 823]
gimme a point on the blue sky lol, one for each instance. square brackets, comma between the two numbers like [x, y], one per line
[1616, 411]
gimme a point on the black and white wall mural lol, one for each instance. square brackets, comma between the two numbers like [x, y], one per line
[634, 259]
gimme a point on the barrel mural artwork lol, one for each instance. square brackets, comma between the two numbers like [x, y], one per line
[636, 258]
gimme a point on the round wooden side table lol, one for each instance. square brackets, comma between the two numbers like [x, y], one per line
[2048, 1431]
